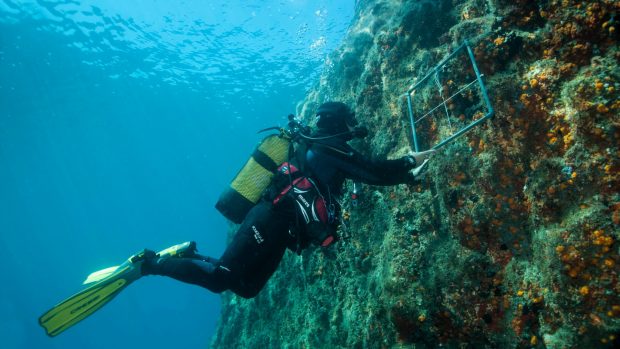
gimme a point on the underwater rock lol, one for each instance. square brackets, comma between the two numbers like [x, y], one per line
[511, 240]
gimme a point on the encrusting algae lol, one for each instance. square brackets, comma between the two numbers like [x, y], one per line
[511, 240]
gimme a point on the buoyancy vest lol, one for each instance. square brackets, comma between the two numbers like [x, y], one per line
[318, 216]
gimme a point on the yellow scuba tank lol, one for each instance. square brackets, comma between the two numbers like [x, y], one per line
[246, 189]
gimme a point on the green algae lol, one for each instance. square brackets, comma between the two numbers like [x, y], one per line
[511, 239]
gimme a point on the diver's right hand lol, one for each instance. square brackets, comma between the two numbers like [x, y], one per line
[422, 156]
[419, 171]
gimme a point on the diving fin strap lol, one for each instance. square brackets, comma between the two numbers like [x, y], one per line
[100, 275]
[180, 250]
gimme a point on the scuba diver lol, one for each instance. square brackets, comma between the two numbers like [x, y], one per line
[299, 207]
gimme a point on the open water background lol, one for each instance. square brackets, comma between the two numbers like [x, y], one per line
[120, 124]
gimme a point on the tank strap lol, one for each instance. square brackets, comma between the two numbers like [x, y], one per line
[264, 160]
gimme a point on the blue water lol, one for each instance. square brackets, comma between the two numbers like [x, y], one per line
[120, 123]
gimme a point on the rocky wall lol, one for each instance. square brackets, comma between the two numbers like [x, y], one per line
[511, 239]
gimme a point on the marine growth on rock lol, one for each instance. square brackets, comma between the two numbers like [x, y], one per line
[511, 240]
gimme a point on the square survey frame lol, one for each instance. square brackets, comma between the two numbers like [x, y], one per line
[434, 73]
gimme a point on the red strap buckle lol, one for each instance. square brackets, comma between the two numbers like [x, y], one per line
[328, 241]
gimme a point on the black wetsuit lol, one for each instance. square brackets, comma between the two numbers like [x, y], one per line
[259, 245]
